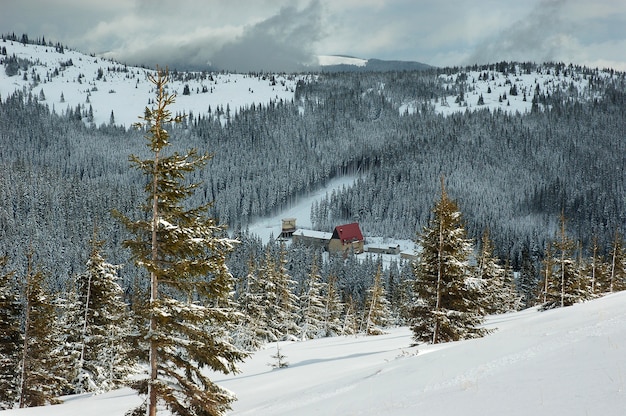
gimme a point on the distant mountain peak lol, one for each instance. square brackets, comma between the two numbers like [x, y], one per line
[347, 63]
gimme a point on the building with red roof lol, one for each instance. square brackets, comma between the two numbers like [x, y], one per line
[346, 237]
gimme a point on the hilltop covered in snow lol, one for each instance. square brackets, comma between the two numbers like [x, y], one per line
[64, 79]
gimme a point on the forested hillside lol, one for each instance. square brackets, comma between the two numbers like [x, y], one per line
[490, 170]
[512, 172]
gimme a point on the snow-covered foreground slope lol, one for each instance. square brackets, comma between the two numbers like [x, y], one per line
[562, 362]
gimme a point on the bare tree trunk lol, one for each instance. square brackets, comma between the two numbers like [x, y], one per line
[82, 349]
[439, 278]
[26, 334]
[154, 293]
[614, 258]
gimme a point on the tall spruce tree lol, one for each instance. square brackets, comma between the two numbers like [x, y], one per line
[617, 279]
[597, 270]
[266, 286]
[446, 308]
[11, 340]
[189, 313]
[252, 329]
[287, 299]
[42, 367]
[527, 280]
[312, 308]
[102, 318]
[333, 308]
[377, 307]
[499, 294]
[565, 284]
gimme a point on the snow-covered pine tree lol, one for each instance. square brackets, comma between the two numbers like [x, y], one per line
[617, 280]
[547, 271]
[597, 271]
[350, 324]
[190, 313]
[377, 307]
[512, 297]
[252, 329]
[103, 326]
[264, 284]
[312, 308]
[42, 367]
[446, 308]
[498, 294]
[333, 308]
[566, 285]
[527, 280]
[11, 340]
[287, 299]
[280, 358]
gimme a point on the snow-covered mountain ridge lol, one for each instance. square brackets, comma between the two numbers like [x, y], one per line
[70, 79]
[66, 80]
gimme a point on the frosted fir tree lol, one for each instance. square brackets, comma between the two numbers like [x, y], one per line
[264, 292]
[253, 329]
[287, 297]
[597, 271]
[11, 338]
[498, 292]
[350, 324]
[43, 367]
[528, 280]
[565, 284]
[279, 300]
[333, 309]
[447, 308]
[312, 308]
[187, 319]
[279, 359]
[617, 267]
[378, 310]
[100, 322]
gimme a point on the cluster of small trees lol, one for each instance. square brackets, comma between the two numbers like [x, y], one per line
[567, 277]
[62, 343]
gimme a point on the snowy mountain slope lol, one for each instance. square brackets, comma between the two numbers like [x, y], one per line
[328, 60]
[510, 92]
[70, 79]
[561, 362]
[126, 90]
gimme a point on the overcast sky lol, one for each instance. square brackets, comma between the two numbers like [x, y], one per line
[282, 34]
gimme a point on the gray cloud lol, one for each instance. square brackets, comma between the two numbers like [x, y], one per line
[540, 36]
[284, 42]
[246, 35]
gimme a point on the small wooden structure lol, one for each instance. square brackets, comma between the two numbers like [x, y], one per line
[289, 227]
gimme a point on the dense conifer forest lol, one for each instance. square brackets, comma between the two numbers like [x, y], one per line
[514, 173]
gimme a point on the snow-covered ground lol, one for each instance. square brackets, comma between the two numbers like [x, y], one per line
[495, 89]
[566, 361]
[126, 90]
